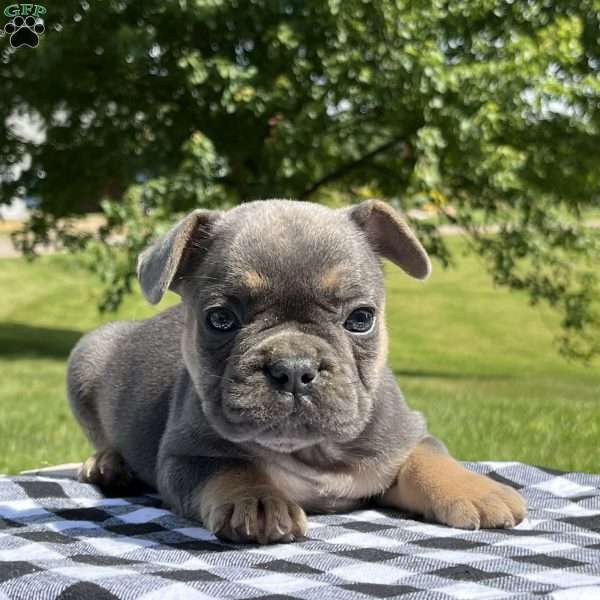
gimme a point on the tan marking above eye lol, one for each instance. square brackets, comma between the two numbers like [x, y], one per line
[254, 280]
[332, 278]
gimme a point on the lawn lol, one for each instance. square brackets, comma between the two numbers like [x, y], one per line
[478, 361]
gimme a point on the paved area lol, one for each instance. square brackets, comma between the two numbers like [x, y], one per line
[7, 250]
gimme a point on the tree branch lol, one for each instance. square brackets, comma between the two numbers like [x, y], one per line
[348, 167]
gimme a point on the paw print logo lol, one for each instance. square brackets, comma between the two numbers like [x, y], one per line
[24, 32]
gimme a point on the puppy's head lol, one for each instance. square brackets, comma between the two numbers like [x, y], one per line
[284, 338]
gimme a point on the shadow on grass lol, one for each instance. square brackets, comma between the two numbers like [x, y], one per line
[418, 373]
[22, 340]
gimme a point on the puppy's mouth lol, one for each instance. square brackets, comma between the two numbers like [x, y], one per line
[283, 423]
[290, 425]
[285, 446]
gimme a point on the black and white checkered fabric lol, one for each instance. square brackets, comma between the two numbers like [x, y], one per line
[63, 539]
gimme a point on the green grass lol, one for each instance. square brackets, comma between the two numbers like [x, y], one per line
[478, 361]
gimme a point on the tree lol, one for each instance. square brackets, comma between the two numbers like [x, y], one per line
[486, 109]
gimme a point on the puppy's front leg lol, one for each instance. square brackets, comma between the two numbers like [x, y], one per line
[235, 500]
[433, 484]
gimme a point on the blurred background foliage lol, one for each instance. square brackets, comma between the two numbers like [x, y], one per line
[485, 112]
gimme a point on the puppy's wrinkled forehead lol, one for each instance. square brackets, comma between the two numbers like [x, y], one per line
[294, 247]
[293, 252]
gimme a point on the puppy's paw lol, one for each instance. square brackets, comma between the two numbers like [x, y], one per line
[242, 506]
[264, 519]
[108, 470]
[436, 486]
[475, 501]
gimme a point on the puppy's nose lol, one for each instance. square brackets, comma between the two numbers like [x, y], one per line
[292, 374]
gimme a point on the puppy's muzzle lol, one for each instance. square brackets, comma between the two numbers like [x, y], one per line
[292, 374]
[289, 381]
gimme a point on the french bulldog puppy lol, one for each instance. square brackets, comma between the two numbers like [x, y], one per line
[265, 393]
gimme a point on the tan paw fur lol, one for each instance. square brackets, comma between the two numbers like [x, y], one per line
[242, 506]
[441, 489]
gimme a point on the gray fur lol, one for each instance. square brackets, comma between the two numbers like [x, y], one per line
[179, 402]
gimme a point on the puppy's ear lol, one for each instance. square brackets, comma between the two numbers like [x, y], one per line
[161, 266]
[390, 236]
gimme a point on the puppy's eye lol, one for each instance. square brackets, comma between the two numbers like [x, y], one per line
[360, 320]
[221, 319]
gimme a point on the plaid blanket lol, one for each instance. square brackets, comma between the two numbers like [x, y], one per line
[63, 539]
